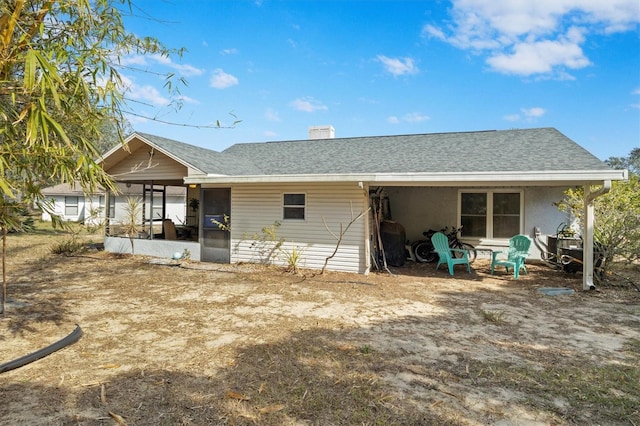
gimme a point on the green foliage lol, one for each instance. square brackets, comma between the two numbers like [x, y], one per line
[15, 216]
[292, 257]
[631, 163]
[267, 244]
[617, 218]
[68, 246]
[224, 226]
[133, 212]
[496, 317]
[61, 95]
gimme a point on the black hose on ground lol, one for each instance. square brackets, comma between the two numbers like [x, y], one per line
[41, 353]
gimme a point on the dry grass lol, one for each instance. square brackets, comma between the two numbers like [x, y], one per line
[220, 344]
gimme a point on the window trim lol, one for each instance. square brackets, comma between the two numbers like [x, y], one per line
[302, 207]
[489, 226]
[68, 205]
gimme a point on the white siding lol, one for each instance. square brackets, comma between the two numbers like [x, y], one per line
[85, 205]
[257, 206]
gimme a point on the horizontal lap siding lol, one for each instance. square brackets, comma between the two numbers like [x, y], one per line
[258, 206]
[138, 166]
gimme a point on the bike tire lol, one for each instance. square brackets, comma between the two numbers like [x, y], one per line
[464, 246]
[424, 252]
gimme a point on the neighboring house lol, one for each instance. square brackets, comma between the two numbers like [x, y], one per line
[71, 203]
[495, 183]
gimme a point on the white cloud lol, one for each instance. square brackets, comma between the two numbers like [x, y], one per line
[308, 105]
[185, 70]
[534, 112]
[150, 60]
[398, 66]
[415, 117]
[525, 37]
[132, 60]
[145, 94]
[222, 80]
[636, 91]
[540, 57]
[231, 51]
[412, 117]
[431, 31]
[272, 115]
[528, 114]
[188, 100]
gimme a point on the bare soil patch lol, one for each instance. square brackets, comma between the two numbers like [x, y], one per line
[205, 344]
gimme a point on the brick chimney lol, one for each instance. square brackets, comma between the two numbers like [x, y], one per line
[322, 132]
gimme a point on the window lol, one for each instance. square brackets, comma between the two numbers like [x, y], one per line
[490, 214]
[112, 206]
[71, 206]
[294, 206]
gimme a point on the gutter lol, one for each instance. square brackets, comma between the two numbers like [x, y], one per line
[561, 177]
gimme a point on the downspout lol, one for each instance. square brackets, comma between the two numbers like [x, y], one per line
[587, 250]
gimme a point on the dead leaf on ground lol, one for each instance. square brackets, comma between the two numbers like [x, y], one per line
[271, 408]
[118, 418]
[103, 394]
[237, 395]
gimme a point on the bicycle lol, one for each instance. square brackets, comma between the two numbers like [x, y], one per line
[423, 249]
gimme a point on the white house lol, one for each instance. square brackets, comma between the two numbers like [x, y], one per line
[71, 203]
[494, 183]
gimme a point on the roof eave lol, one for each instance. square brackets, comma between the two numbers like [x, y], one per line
[568, 177]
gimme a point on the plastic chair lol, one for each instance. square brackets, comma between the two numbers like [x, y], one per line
[516, 255]
[445, 253]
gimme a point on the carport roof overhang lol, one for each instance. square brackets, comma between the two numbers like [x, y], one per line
[510, 178]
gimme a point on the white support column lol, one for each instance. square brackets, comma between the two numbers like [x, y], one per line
[587, 247]
[588, 222]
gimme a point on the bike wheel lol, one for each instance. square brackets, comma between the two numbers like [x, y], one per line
[471, 249]
[424, 252]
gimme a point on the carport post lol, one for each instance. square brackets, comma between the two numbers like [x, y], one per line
[588, 216]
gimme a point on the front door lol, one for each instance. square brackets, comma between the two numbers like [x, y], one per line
[215, 215]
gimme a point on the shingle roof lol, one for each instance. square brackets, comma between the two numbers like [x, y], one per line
[503, 151]
[543, 149]
[203, 159]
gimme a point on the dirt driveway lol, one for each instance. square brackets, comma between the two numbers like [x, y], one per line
[204, 344]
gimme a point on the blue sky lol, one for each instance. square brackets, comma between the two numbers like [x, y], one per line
[390, 67]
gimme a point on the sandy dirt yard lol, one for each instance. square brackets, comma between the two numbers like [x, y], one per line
[205, 344]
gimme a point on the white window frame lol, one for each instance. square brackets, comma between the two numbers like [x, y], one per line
[68, 205]
[489, 227]
[294, 206]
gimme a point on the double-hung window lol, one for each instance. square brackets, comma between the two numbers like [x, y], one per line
[491, 214]
[70, 206]
[294, 206]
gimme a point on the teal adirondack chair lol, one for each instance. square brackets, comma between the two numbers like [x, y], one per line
[518, 251]
[445, 253]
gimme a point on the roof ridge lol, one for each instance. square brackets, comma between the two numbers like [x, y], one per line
[394, 136]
